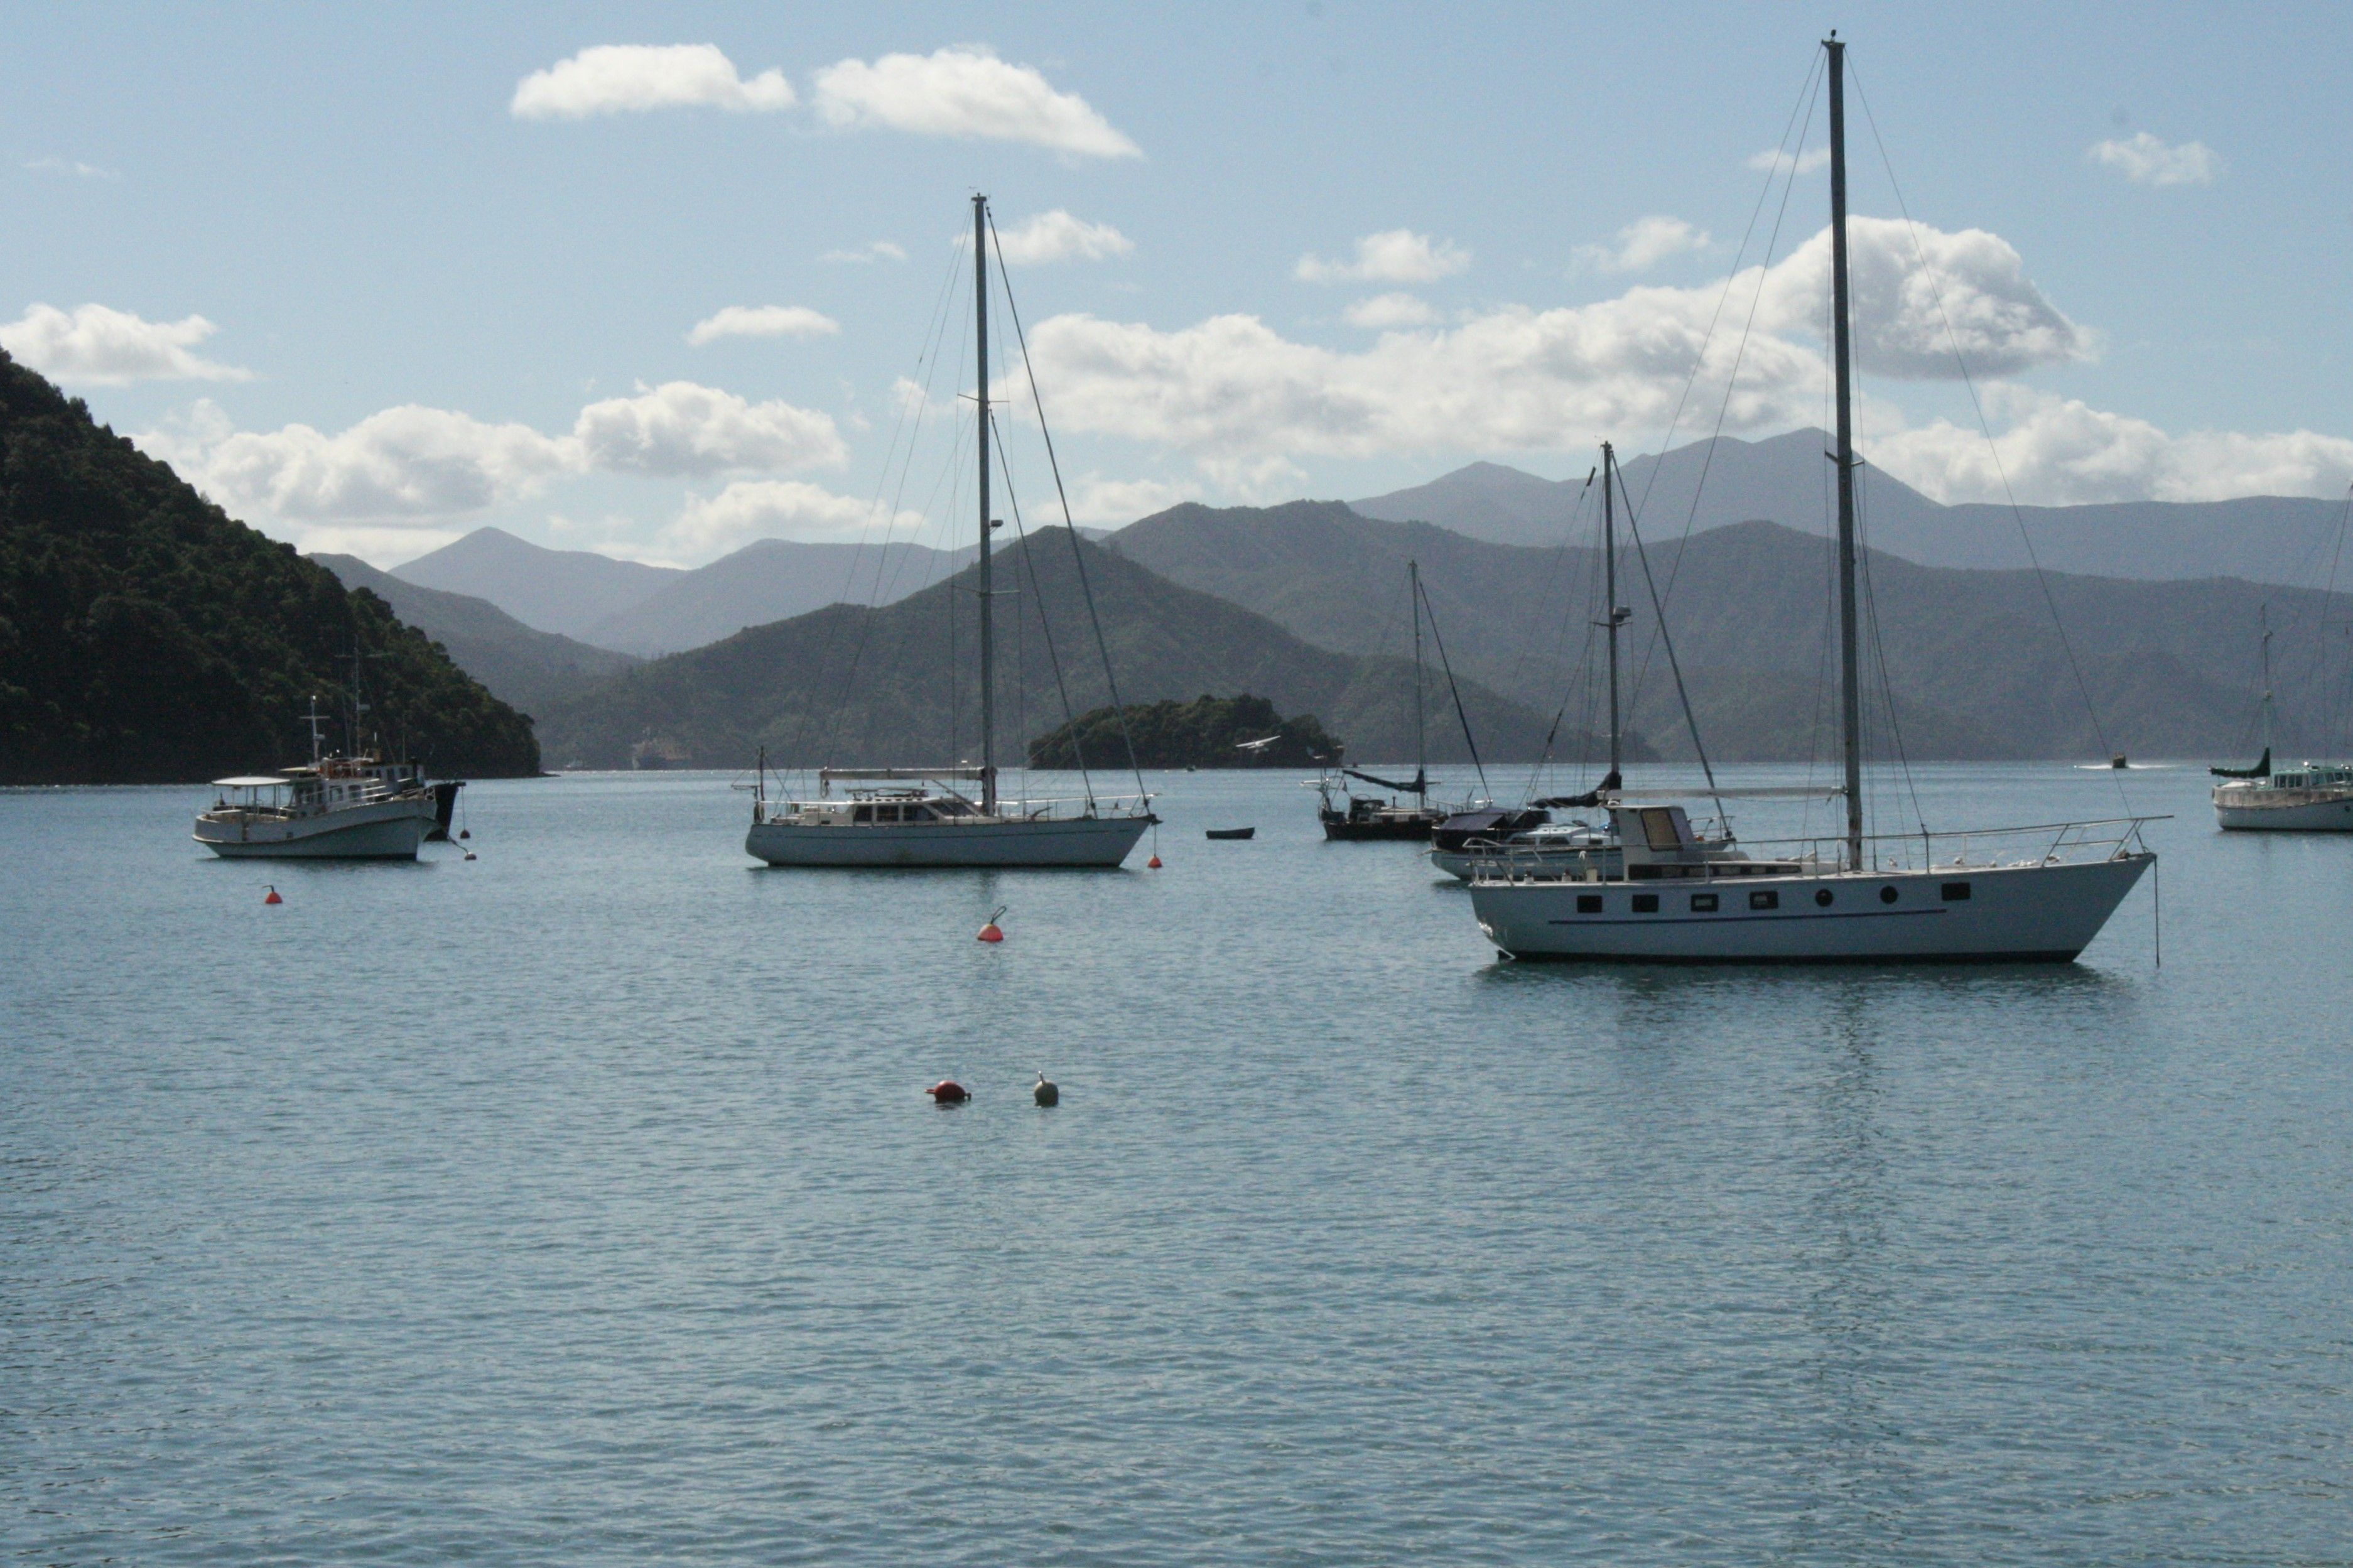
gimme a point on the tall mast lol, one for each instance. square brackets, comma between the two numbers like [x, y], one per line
[1849, 668]
[1609, 593]
[1420, 750]
[988, 641]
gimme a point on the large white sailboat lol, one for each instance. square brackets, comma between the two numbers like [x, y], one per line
[918, 816]
[2037, 893]
[2313, 797]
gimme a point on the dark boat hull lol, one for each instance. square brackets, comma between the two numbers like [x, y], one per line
[1413, 828]
[1234, 833]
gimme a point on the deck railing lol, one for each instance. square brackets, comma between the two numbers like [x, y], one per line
[1981, 848]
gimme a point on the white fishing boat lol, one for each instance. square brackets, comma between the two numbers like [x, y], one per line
[337, 808]
[2036, 893]
[914, 817]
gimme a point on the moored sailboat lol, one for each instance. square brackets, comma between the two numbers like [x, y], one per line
[2314, 797]
[2038, 893]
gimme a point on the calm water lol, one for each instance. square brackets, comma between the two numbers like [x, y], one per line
[579, 1204]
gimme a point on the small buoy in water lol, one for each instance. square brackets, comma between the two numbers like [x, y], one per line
[464, 833]
[990, 933]
[1152, 864]
[469, 855]
[947, 1091]
[1046, 1093]
[273, 898]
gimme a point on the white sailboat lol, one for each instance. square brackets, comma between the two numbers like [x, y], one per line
[2037, 893]
[2314, 797]
[916, 816]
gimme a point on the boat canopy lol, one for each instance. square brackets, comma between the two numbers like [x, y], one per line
[827, 776]
[248, 781]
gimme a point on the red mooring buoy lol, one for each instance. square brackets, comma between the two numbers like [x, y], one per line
[273, 898]
[992, 932]
[1152, 864]
[947, 1091]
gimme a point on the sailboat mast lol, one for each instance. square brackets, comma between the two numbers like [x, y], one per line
[1609, 593]
[1849, 663]
[1420, 749]
[988, 641]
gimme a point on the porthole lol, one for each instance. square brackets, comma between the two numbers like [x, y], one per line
[1887, 895]
[1646, 903]
[1823, 897]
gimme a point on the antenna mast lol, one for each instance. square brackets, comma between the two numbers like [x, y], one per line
[1616, 617]
[988, 641]
[1850, 670]
[1420, 749]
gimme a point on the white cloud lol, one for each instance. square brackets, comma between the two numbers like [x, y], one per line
[1400, 309]
[965, 92]
[2146, 161]
[1393, 256]
[101, 347]
[1058, 237]
[1781, 163]
[1643, 245]
[2061, 452]
[873, 250]
[1097, 500]
[679, 427]
[1233, 391]
[774, 509]
[762, 322]
[620, 78]
[71, 166]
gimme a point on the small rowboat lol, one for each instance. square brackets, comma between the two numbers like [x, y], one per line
[1233, 832]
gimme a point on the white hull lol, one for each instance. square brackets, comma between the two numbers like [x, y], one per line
[1044, 842]
[2013, 913]
[2293, 811]
[389, 830]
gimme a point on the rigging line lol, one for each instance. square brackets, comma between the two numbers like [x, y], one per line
[1038, 593]
[1976, 406]
[1807, 92]
[1054, 463]
[1552, 571]
[1682, 695]
[1879, 652]
[2328, 597]
[1732, 381]
[1456, 692]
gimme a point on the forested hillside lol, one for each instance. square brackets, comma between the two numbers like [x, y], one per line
[145, 637]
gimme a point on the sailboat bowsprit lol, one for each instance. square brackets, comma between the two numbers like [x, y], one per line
[1662, 894]
[917, 817]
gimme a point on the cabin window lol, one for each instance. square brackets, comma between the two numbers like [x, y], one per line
[1887, 895]
[861, 814]
[1646, 903]
[1765, 899]
[918, 814]
[1956, 892]
[1823, 897]
[1588, 903]
[1702, 903]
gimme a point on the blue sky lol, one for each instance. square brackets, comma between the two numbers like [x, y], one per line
[430, 299]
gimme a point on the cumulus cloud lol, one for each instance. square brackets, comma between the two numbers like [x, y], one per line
[1781, 163]
[415, 466]
[762, 322]
[1095, 500]
[2146, 161]
[1643, 245]
[98, 346]
[679, 427]
[873, 250]
[1398, 310]
[1058, 237]
[965, 92]
[774, 509]
[1231, 390]
[1393, 256]
[2058, 451]
[623, 79]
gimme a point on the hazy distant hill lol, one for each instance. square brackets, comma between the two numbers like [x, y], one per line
[1977, 667]
[566, 591]
[1786, 479]
[896, 684]
[525, 667]
[769, 580]
[146, 636]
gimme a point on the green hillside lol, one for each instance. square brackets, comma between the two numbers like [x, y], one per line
[1242, 731]
[850, 685]
[145, 637]
[1976, 665]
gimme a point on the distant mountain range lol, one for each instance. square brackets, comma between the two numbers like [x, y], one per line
[523, 667]
[1787, 479]
[649, 610]
[896, 684]
[1974, 664]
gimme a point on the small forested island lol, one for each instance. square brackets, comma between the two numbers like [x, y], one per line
[148, 638]
[1242, 731]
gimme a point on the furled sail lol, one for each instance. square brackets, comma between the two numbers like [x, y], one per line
[2262, 770]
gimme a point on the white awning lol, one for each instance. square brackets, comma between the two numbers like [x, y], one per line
[248, 781]
[1802, 792]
